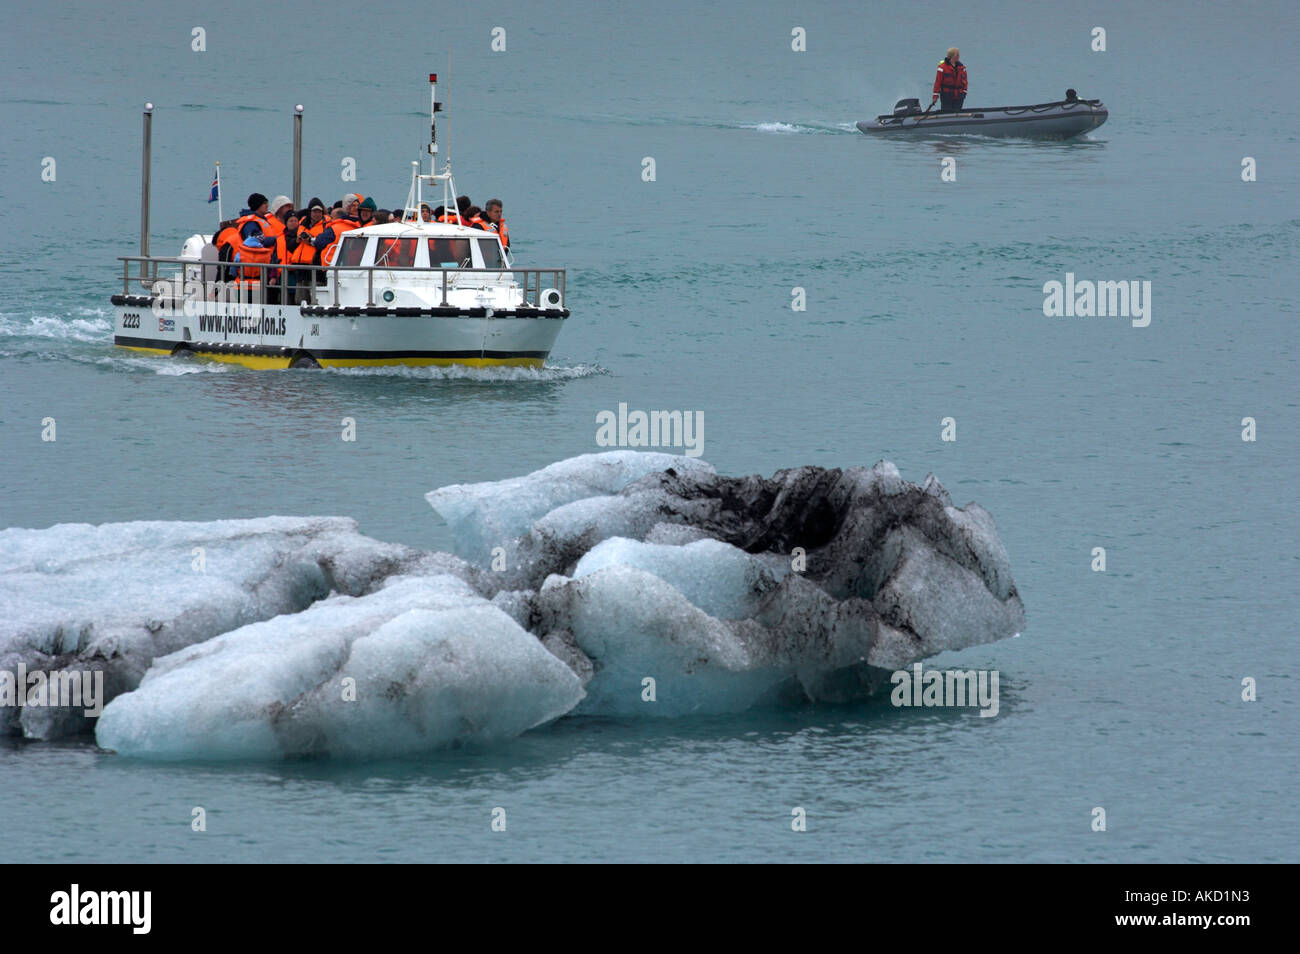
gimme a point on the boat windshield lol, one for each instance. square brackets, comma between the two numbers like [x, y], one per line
[490, 249]
[396, 252]
[448, 252]
[354, 246]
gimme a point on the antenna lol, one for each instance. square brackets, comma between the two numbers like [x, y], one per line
[434, 107]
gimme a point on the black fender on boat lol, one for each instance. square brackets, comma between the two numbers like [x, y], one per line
[303, 359]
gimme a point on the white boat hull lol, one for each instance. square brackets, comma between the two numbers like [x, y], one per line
[279, 336]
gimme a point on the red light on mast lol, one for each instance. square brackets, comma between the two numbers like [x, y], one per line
[433, 77]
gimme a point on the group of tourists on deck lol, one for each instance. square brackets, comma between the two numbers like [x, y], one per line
[275, 232]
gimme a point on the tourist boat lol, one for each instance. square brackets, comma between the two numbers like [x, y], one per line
[403, 293]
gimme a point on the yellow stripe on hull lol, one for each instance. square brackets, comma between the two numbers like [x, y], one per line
[436, 362]
[268, 362]
[255, 361]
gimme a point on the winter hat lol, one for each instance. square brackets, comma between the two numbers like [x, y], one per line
[315, 202]
[279, 203]
[369, 204]
[256, 201]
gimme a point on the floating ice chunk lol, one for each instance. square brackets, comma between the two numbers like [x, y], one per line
[432, 665]
[932, 603]
[729, 592]
[718, 578]
[632, 626]
[114, 596]
[486, 515]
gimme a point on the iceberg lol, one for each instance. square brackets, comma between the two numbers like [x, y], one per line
[113, 597]
[619, 584]
[420, 665]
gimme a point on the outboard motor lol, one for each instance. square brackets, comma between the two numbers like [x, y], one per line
[907, 107]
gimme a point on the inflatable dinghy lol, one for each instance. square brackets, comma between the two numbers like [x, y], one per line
[1060, 120]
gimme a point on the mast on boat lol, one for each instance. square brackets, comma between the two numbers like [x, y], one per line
[416, 195]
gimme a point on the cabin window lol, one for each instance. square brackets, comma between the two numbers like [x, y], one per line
[490, 249]
[350, 252]
[395, 252]
[448, 252]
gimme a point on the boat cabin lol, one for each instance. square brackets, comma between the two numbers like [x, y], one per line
[420, 245]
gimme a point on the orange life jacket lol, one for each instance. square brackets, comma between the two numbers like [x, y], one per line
[249, 253]
[286, 257]
[314, 231]
[273, 227]
[502, 231]
[245, 219]
[950, 78]
[339, 226]
[228, 236]
[451, 218]
[304, 254]
[237, 242]
[478, 223]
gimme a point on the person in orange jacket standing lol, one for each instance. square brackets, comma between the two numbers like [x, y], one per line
[492, 212]
[950, 82]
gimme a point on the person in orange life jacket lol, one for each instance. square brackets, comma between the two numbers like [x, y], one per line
[254, 217]
[286, 250]
[272, 229]
[366, 213]
[456, 216]
[280, 208]
[426, 213]
[303, 254]
[312, 224]
[257, 204]
[950, 82]
[228, 236]
[474, 218]
[225, 238]
[345, 221]
[492, 212]
[253, 247]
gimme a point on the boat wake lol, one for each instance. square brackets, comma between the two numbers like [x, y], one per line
[86, 324]
[800, 129]
[492, 375]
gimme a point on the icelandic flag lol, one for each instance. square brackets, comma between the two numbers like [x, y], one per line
[216, 188]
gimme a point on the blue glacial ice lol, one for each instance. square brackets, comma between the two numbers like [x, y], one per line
[573, 589]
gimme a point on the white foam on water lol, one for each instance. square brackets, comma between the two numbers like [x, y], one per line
[168, 366]
[94, 327]
[800, 129]
[776, 127]
[488, 375]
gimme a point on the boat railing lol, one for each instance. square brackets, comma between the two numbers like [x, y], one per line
[207, 275]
